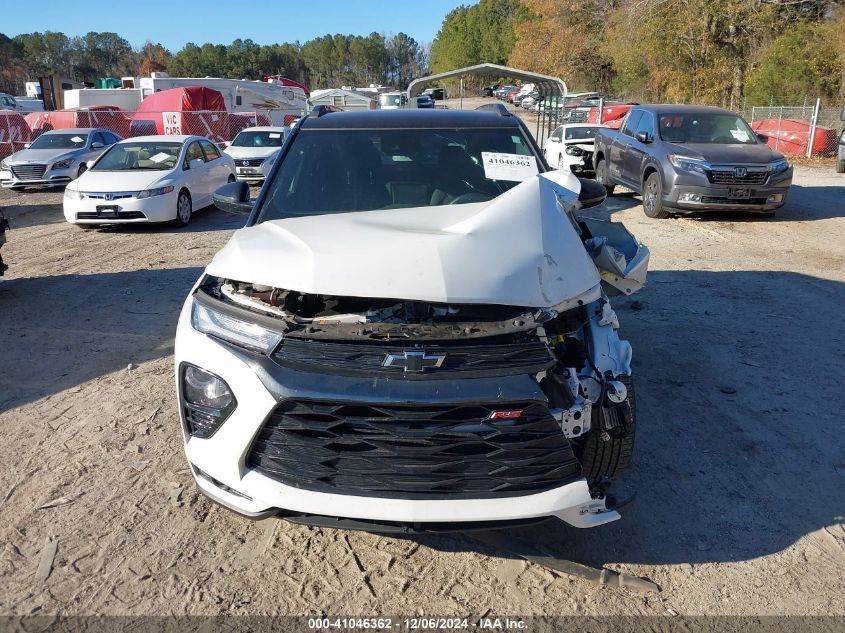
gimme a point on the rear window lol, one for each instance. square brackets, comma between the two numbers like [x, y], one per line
[337, 171]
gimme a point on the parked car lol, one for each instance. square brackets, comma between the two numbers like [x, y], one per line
[436, 94]
[489, 91]
[840, 163]
[355, 357]
[571, 147]
[425, 101]
[4, 226]
[524, 91]
[509, 97]
[686, 159]
[392, 100]
[254, 151]
[55, 158]
[531, 101]
[148, 179]
[502, 92]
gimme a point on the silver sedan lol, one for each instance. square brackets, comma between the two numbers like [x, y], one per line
[55, 158]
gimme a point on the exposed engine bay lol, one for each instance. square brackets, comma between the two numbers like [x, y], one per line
[584, 371]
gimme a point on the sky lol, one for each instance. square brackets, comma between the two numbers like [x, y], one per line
[176, 22]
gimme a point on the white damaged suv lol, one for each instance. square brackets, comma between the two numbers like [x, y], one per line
[412, 333]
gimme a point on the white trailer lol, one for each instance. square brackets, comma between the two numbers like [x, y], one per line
[123, 98]
[241, 95]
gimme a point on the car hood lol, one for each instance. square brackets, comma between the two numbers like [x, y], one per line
[42, 155]
[518, 249]
[251, 152]
[729, 154]
[102, 181]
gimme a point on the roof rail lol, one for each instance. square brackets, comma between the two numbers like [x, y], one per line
[495, 107]
[320, 110]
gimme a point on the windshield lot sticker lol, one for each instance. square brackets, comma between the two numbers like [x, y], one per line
[77, 139]
[160, 157]
[740, 135]
[275, 135]
[514, 167]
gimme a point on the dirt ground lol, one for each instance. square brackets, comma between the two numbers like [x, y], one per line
[740, 468]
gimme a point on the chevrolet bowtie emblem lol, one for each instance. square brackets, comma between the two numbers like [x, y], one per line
[414, 361]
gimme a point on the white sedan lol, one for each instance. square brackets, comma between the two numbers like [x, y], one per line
[255, 150]
[571, 146]
[148, 179]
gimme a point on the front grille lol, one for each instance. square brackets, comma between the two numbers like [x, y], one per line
[354, 358]
[121, 215]
[728, 177]
[249, 162]
[29, 172]
[111, 195]
[426, 451]
[717, 200]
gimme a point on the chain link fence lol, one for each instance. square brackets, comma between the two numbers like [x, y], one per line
[17, 128]
[799, 130]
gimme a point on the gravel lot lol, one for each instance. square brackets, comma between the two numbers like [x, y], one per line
[740, 468]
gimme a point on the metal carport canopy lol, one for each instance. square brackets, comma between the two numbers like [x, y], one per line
[550, 86]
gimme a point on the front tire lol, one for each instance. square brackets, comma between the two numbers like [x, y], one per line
[653, 197]
[82, 169]
[602, 178]
[183, 209]
[606, 456]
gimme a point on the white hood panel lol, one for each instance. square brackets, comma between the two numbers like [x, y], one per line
[518, 249]
[250, 152]
[103, 181]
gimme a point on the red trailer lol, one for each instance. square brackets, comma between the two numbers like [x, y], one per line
[192, 110]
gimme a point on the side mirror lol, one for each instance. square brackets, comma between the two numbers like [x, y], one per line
[233, 197]
[90, 163]
[97, 145]
[642, 137]
[196, 163]
[26, 145]
[762, 137]
[592, 193]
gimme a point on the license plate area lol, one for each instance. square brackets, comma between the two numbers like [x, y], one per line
[107, 210]
[739, 193]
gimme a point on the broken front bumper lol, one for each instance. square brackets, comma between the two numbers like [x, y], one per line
[221, 462]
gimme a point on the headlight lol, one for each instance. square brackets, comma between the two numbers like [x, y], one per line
[206, 399]
[63, 164]
[160, 191]
[688, 164]
[4, 165]
[237, 331]
[572, 150]
[779, 166]
[73, 194]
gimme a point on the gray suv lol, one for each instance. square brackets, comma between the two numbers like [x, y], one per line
[684, 159]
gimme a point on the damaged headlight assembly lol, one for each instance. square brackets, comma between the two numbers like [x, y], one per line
[226, 327]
